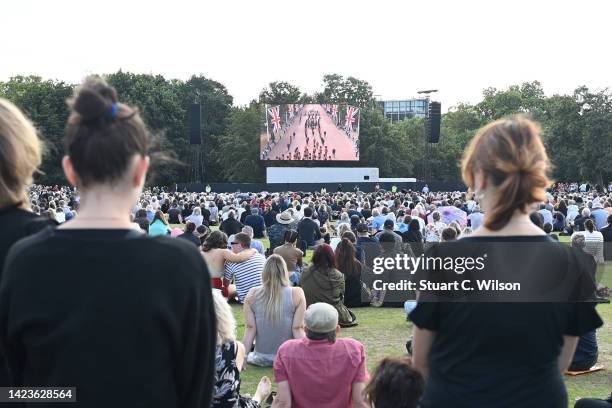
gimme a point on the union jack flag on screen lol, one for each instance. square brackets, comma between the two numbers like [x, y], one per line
[274, 113]
[351, 111]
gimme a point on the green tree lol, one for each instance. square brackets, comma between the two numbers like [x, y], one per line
[526, 98]
[596, 146]
[239, 147]
[44, 102]
[562, 135]
[333, 89]
[161, 108]
[351, 90]
[357, 92]
[378, 145]
[280, 93]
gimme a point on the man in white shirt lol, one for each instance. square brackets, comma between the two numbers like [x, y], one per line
[475, 218]
[546, 214]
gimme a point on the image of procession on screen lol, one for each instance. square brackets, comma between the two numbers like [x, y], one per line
[310, 132]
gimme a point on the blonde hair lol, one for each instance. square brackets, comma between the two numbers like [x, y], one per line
[511, 155]
[273, 278]
[226, 323]
[343, 228]
[20, 155]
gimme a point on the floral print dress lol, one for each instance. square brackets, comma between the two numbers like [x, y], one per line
[227, 380]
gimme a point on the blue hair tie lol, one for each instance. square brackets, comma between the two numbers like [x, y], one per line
[112, 112]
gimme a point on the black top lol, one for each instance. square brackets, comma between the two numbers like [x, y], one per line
[366, 213]
[415, 239]
[126, 318]
[190, 236]
[16, 224]
[230, 226]
[370, 248]
[502, 354]
[173, 216]
[206, 215]
[308, 231]
[607, 236]
[352, 288]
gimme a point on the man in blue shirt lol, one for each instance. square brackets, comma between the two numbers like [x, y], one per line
[378, 220]
[599, 215]
[255, 244]
[353, 211]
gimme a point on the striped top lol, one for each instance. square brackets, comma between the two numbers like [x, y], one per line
[246, 274]
[594, 245]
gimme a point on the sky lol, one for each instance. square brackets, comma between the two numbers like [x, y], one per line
[400, 47]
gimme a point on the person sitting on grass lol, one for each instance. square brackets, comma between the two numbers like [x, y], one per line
[395, 384]
[276, 233]
[548, 228]
[247, 274]
[196, 216]
[351, 268]
[587, 351]
[189, 234]
[321, 370]
[308, 230]
[449, 234]
[413, 237]
[292, 256]
[273, 313]
[606, 233]
[159, 226]
[342, 228]
[256, 222]
[594, 403]
[202, 233]
[389, 250]
[216, 254]
[322, 282]
[231, 226]
[255, 244]
[229, 361]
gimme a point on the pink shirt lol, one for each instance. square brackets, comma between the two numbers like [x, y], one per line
[320, 373]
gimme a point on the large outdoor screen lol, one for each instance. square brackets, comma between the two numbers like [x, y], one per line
[310, 132]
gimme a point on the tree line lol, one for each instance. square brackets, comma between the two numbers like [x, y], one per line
[577, 128]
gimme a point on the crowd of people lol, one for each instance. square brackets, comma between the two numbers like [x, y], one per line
[97, 290]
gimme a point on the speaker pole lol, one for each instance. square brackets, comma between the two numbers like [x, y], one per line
[428, 145]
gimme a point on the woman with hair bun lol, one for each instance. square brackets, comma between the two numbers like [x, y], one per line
[484, 352]
[119, 315]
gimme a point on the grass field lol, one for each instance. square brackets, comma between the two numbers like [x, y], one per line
[384, 332]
